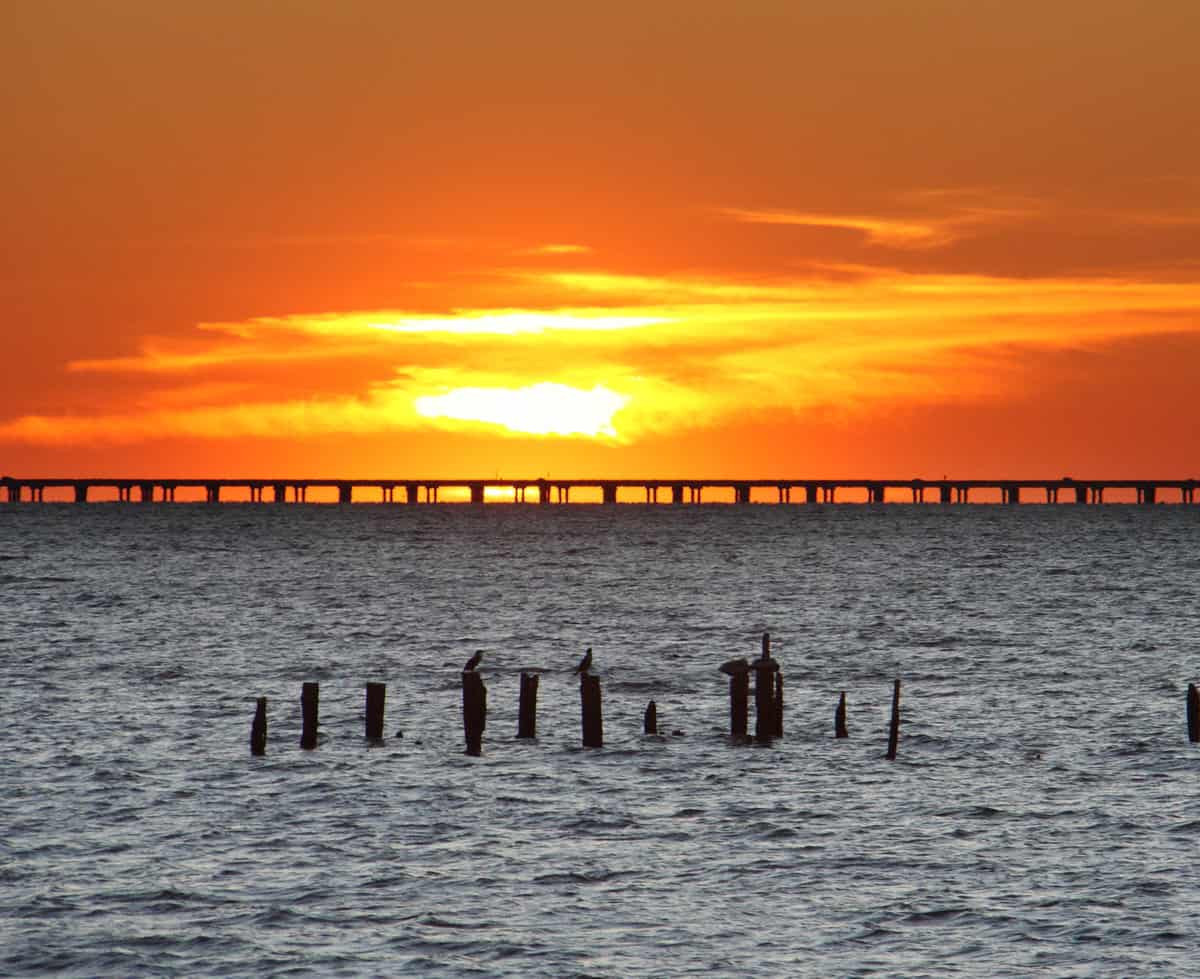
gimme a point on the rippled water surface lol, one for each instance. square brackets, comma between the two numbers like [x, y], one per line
[1040, 819]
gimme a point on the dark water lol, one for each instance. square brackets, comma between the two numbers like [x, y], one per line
[1041, 818]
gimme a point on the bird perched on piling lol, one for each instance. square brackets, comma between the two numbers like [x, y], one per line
[735, 667]
[585, 664]
[473, 661]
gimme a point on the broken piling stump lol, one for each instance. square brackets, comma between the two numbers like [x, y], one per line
[765, 720]
[309, 699]
[1193, 713]
[376, 695]
[258, 728]
[894, 728]
[650, 719]
[527, 706]
[474, 711]
[739, 704]
[778, 732]
[589, 697]
[839, 718]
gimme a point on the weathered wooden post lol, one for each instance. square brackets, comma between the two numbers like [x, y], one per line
[765, 668]
[474, 711]
[894, 729]
[650, 720]
[376, 695]
[739, 704]
[839, 718]
[258, 728]
[1193, 713]
[527, 707]
[309, 698]
[593, 725]
[778, 705]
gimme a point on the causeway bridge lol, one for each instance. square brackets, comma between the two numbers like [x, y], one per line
[558, 491]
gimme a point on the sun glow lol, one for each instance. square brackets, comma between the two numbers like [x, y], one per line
[539, 409]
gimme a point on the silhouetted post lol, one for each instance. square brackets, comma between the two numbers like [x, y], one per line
[258, 728]
[593, 724]
[527, 707]
[650, 720]
[839, 718]
[739, 708]
[894, 729]
[778, 705]
[474, 711]
[309, 697]
[1193, 713]
[376, 695]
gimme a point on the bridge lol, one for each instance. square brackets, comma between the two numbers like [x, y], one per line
[558, 491]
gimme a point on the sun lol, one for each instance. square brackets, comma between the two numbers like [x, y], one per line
[546, 408]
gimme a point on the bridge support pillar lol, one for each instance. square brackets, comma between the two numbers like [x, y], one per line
[477, 493]
[677, 493]
[945, 494]
[212, 492]
[146, 491]
[1147, 493]
[810, 493]
[345, 493]
[1081, 494]
[741, 493]
[280, 491]
[81, 492]
[610, 492]
[875, 494]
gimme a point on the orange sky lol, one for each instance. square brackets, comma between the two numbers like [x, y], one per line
[656, 238]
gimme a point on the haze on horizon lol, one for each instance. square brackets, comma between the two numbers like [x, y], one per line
[677, 238]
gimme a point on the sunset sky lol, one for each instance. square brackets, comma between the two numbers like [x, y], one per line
[761, 238]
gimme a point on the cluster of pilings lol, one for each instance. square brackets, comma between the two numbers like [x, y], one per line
[768, 705]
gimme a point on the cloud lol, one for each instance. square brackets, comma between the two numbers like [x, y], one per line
[615, 356]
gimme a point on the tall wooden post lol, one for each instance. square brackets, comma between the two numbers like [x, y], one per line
[739, 709]
[527, 707]
[309, 698]
[474, 711]
[839, 718]
[376, 695]
[258, 728]
[650, 719]
[1193, 713]
[894, 729]
[593, 724]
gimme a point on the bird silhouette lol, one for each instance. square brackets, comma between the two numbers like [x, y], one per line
[585, 664]
[473, 661]
[734, 667]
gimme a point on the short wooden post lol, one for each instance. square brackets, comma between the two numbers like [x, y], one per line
[1193, 713]
[739, 708]
[376, 695]
[474, 711]
[839, 718]
[309, 698]
[778, 705]
[593, 725]
[258, 728]
[894, 729]
[650, 720]
[527, 706]
[764, 699]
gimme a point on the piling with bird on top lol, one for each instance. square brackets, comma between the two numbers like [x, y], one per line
[589, 699]
[474, 705]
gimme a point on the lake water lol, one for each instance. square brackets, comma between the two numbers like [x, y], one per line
[1041, 818]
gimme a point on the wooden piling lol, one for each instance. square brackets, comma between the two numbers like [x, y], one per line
[839, 718]
[593, 724]
[527, 707]
[376, 695]
[1193, 713]
[894, 729]
[764, 699]
[778, 705]
[739, 710]
[258, 728]
[474, 711]
[309, 698]
[650, 720]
